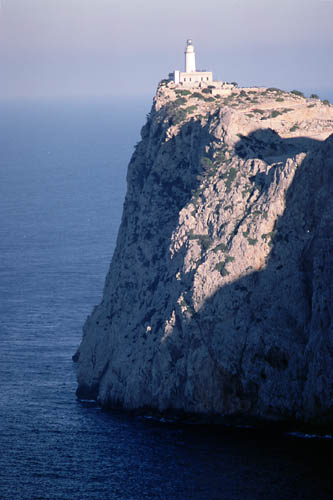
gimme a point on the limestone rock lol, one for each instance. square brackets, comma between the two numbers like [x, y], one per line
[219, 295]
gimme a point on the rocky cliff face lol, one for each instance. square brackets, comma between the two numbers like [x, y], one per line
[219, 295]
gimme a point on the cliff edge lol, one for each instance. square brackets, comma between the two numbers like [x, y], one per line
[219, 295]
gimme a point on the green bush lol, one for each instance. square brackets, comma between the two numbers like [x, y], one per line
[314, 96]
[230, 177]
[268, 237]
[273, 89]
[298, 93]
[209, 99]
[204, 240]
[326, 102]
[182, 92]
[178, 116]
[279, 99]
[294, 127]
[206, 162]
[180, 100]
[220, 248]
[206, 91]
[197, 95]
[229, 258]
[220, 266]
[275, 113]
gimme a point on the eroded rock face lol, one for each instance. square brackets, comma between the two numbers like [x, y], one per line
[219, 295]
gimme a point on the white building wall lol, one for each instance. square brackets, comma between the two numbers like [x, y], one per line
[196, 77]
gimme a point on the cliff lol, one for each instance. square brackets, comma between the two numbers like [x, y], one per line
[219, 295]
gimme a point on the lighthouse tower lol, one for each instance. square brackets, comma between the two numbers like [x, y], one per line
[191, 77]
[189, 57]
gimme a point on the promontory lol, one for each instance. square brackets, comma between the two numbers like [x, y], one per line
[219, 297]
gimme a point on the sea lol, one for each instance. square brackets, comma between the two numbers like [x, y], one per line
[62, 185]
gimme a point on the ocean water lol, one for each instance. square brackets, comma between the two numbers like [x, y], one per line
[62, 185]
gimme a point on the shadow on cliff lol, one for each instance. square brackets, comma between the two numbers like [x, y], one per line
[269, 311]
[266, 143]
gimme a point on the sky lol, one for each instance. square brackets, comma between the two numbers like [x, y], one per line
[123, 48]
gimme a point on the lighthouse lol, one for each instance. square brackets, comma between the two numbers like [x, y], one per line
[189, 57]
[191, 77]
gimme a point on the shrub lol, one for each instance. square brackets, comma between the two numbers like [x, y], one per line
[180, 100]
[298, 93]
[275, 113]
[234, 83]
[273, 89]
[220, 156]
[206, 91]
[210, 99]
[230, 177]
[229, 258]
[204, 240]
[314, 96]
[206, 162]
[220, 266]
[182, 92]
[197, 95]
[294, 127]
[326, 102]
[220, 248]
[279, 99]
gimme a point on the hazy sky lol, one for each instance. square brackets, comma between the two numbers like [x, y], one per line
[124, 47]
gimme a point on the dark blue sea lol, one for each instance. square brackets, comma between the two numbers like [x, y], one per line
[62, 184]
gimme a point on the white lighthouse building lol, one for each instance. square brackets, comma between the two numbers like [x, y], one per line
[189, 57]
[191, 77]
